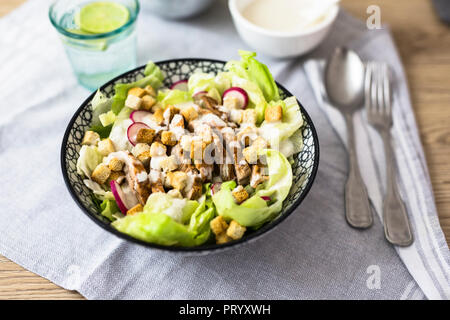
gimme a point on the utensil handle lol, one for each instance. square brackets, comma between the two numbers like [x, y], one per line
[358, 212]
[397, 228]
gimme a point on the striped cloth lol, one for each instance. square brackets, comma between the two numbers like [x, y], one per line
[428, 258]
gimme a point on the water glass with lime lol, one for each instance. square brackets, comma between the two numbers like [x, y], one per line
[99, 37]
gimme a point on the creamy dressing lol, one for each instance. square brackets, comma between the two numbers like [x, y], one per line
[287, 15]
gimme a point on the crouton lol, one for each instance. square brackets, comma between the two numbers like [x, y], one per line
[116, 165]
[243, 172]
[137, 92]
[147, 102]
[175, 194]
[235, 230]
[145, 135]
[177, 179]
[144, 157]
[259, 143]
[150, 91]
[205, 132]
[105, 147]
[273, 113]
[230, 102]
[116, 176]
[140, 148]
[250, 155]
[157, 149]
[136, 209]
[91, 138]
[249, 116]
[185, 142]
[195, 190]
[222, 238]
[218, 225]
[158, 116]
[236, 115]
[133, 102]
[101, 173]
[189, 113]
[169, 164]
[168, 138]
[177, 121]
[247, 135]
[157, 187]
[240, 194]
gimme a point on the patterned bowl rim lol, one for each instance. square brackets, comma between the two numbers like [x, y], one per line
[178, 249]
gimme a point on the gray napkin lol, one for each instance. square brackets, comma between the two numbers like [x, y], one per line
[312, 255]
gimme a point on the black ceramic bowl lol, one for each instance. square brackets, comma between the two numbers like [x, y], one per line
[304, 168]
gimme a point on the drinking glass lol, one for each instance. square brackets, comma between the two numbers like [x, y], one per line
[96, 58]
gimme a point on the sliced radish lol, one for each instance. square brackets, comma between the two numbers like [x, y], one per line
[139, 115]
[133, 130]
[118, 195]
[266, 198]
[239, 94]
[180, 85]
[215, 187]
[199, 93]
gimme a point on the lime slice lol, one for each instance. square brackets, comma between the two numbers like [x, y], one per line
[102, 17]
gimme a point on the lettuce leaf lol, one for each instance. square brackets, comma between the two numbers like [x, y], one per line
[251, 69]
[118, 134]
[255, 211]
[214, 85]
[89, 158]
[276, 132]
[158, 222]
[255, 96]
[166, 97]
[109, 209]
[153, 77]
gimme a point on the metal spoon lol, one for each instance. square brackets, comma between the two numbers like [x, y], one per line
[344, 83]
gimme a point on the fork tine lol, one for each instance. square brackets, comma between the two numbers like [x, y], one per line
[387, 90]
[381, 102]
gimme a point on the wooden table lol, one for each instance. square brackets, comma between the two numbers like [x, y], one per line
[424, 44]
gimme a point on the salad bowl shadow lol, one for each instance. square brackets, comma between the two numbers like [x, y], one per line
[304, 167]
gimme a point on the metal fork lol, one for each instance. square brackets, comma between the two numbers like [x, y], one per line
[397, 228]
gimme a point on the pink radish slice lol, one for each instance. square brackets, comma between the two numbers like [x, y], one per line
[199, 93]
[180, 85]
[215, 187]
[266, 198]
[133, 130]
[239, 94]
[139, 115]
[118, 195]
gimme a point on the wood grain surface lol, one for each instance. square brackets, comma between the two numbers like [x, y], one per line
[424, 45]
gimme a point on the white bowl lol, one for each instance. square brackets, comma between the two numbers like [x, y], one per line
[280, 44]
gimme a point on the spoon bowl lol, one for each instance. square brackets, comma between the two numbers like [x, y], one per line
[344, 80]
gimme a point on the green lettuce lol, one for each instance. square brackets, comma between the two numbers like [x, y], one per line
[109, 209]
[166, 97]
[292, 121]
[214, 85]
[255, 96]
[255, 211]
[153, 77]
[89, 158]
[251, 69]
[170, 221]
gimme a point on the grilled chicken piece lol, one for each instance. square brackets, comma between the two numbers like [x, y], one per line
[227, 172]
[195, 191]
[257, 176]
[243, 172]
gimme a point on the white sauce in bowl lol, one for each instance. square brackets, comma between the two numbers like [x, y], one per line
[287, 15]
